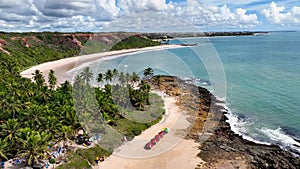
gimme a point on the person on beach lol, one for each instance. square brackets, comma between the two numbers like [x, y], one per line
[97, 160]
[2, 164]
[102, 158]
[124, 139]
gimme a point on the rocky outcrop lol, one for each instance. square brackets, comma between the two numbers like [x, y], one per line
[4, 51]
[225, 144]
[223, 148]
[2, 43]
[25, 41]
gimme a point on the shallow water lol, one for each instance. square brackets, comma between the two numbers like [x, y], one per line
[262, 79]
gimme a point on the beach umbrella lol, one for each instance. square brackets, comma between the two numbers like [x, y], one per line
[157, 137]
[167, 130]
[148, 145]
[162, 133]
[154, 141]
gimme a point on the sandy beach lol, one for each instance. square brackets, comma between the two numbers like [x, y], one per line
[173, 151]
[62, 66]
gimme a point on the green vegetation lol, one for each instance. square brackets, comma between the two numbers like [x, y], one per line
[82, 158]
[41, 48]
[134, 42]
[34, 114]
[75, 162]
[93, 47]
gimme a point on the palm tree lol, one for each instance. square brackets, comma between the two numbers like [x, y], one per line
[115, 74]
[145, 89]
[78, 82]
[33, 145]
[71, 118]
[158, 80]
[148, 72]
[10, 130]
[13, 107]
[52, 125]
[122, 78]
[4, 104]
[66, 87]
[52, 79]
[3, 149]
[127, 78]
[38, 78]
[140, 99]
[100, 78]
[85, 119]
[134, 78]
[86, 75]
[108, 76]
[65, 134]
[33, 118]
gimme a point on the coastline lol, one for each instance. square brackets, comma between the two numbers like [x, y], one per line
[223, 147]
[220, 146]
[172, 151]
[62, 66]
[184, 150]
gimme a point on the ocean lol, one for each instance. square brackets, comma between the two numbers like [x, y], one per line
[257, 76]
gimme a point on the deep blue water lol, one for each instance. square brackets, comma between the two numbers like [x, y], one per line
[258, 75]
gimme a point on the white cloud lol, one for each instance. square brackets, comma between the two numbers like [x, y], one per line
[66, 8]
[133, 6]
[208, 16]
[123, 15]
[277, 15]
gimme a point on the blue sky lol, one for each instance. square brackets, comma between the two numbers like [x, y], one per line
[149, 15]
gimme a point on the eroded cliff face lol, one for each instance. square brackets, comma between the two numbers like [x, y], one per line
[3, 43]
[72, 40]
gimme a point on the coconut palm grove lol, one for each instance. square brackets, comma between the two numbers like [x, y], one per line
[38, 114]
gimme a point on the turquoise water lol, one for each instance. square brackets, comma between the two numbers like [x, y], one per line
[262, 86]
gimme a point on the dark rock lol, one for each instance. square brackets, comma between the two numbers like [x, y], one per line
[224, 143]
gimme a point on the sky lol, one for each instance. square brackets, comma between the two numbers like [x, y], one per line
[148, 15]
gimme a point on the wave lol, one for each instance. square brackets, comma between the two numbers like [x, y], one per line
[197, 82]
[240, 123]
[279, 137]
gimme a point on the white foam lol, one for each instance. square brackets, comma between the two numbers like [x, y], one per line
[222, 99]
[280, 137]
[239, 126]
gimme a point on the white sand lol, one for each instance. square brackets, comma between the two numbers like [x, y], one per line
[171, 152]
[62, 66]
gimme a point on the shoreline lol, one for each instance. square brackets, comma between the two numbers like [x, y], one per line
[172, 151]
[231, 147]
[224, 148]
[62, 66]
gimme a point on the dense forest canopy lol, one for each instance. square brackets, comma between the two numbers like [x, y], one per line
[34, 114]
